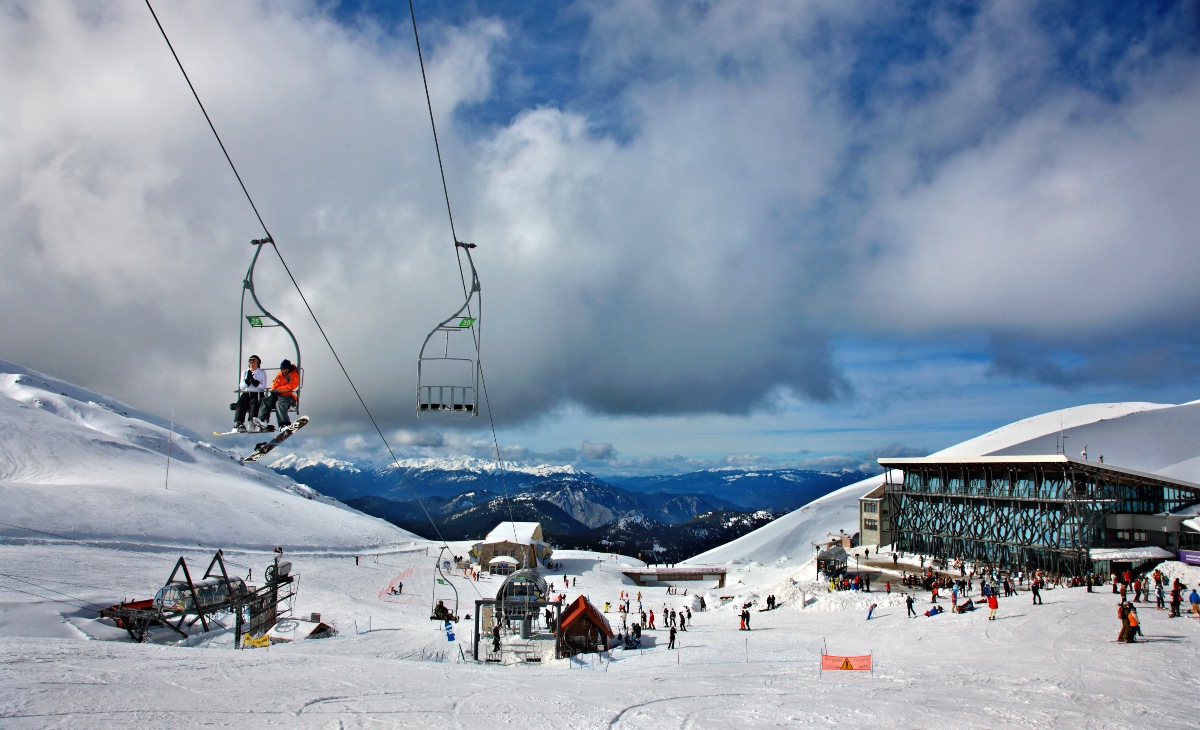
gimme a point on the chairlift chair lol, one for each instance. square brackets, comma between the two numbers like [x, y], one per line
[259, 317]
[441, 579]
[448, 366]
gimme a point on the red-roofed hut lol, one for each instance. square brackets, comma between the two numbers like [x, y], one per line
[583, 629]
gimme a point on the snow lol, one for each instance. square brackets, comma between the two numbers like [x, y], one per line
[90, 518]
[521, 533]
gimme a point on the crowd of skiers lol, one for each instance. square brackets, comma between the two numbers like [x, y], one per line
[1155, 584]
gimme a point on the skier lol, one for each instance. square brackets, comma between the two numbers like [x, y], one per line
[282, 397]
[496, 637]
[870, 611]
[442, 613]
[250, 389]
[671, 643]
[908, 601]
[1035, 587]
[993, 604]
[1194, 599]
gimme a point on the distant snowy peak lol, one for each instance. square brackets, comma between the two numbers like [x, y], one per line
[294, 462]
[730, 473]
[482, 466]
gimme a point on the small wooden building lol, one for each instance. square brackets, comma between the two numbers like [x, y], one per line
[521, 541]
[832, 561]
[583, 629]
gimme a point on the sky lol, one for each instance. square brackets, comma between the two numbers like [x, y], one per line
[769, 234]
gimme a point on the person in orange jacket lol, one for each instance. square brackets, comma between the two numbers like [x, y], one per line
[283, 396]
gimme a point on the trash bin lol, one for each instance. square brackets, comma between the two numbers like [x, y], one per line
[526, 627]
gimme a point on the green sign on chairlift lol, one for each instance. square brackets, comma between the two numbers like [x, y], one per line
[254, 320]
[441, 582]
[466, 321]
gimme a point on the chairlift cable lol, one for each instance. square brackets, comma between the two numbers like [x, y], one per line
[458, 249]
[63, 582]
[208, 119]
[429, 103]
[47, 598]
[51, 590]
[101, 546]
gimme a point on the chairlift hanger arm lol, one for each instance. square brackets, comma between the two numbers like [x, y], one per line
[248, 287]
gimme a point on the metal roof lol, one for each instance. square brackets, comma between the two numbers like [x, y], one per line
[1048, 459]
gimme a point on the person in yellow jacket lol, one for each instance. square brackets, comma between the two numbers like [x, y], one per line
[284, 395]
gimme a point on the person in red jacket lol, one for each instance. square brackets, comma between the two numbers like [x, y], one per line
[283, 396]
[993, 604]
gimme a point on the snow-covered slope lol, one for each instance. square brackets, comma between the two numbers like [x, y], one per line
[77, 464]
[1149, 437]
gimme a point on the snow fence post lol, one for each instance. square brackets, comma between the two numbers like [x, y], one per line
[747, 649]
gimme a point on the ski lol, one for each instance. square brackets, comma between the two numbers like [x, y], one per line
[280, 437]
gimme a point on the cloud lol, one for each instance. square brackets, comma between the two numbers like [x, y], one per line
[421, 439]
[715, 197]
[593, 451]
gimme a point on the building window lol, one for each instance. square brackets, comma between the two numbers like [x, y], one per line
[869, 524]
[1139, 536]
[1123, 535]
[870, 507]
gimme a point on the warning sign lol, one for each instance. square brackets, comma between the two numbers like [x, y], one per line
[833, 662]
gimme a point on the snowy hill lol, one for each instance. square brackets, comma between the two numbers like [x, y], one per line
[79, 465]
[1149, 437]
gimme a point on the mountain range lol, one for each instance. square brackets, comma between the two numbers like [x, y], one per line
[671, 516]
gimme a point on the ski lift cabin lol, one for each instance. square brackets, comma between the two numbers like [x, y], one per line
[448, 366]
[522, 594]
[204, 596]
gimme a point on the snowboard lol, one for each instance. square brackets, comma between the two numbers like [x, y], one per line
[247, 432]
[280, 437]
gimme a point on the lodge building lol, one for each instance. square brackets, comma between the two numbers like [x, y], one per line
[1024, 512]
